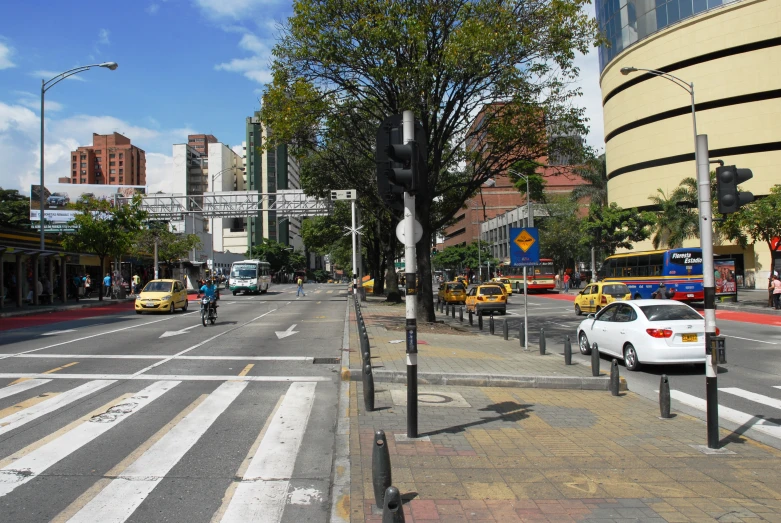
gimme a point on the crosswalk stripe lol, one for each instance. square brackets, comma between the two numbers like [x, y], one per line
[329, 292]
[18, 419]
[262, 493]
[735, 416]
[37, 461]
[123, 495]
[21, 387]
[753, 396]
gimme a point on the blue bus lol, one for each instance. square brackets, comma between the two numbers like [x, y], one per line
[642, 272]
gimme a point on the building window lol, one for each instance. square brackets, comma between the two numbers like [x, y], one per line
[112, 163]
[121, 155]
[83, 156]
[120, 171]
[97, 151]
[112, 155]
[120, 163]
[112, 179]
[74, 173]
[112, 171]
[83, 164]
[83, 172]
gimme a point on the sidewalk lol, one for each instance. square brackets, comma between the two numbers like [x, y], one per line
[28, 310]
[531, 454]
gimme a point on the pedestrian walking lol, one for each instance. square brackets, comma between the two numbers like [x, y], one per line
[558, 281]
[576, 277]
[87, 285]
[566, 282]
[776, 292]
[136, 283]
[107, 284]
[300, 290]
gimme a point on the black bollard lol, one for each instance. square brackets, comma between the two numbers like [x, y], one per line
[567, 352]
[368, 388]
[542, 341]
[506, 330]
[392, 511]
[470, 319]
[664, 397]
[461, 314]
[491, 324]
[479, 320]
[594, 359]
[453, 311]
[381, 467]
[522, 334]
[614, 377]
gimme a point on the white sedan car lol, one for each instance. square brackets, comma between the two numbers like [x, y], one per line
[646, 331]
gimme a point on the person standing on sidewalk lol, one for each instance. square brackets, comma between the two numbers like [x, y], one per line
[566, 282]
[300, 290]
[776, 292]
[107, 284]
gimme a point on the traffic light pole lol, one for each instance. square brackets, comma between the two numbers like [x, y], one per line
[709, 289]
[355, 252]
[410, 272]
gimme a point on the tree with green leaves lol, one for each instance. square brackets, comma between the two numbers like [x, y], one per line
[610, 228]
[677, 218]
[760, 221]
[594, 175]
[341, 67]
[562, 232]
[171, 246]
[459, 257]
[278, 255]
[14, 209]
[103, 229]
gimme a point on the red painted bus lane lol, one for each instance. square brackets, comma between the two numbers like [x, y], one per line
[66, 315]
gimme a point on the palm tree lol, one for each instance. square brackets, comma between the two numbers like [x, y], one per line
[677, 219]
[594, 173]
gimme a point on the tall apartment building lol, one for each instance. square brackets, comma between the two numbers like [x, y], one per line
[200, 142]
[268, 170]
[110, 160]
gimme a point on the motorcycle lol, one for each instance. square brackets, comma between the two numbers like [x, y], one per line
[208, 311]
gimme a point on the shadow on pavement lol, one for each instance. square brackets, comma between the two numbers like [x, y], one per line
[506, 410]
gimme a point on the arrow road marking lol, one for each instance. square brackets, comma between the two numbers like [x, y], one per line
[166, 334]
[288, 332]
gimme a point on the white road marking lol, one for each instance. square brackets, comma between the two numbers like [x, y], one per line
[155, 357]
[37, 461]
[288, 332]
[147, 377]
[54, 333]
[735, 416]
[21, 387]
[126, 492]
[753, 396]
[262, 493]
[18, 419]
[167, 334]
[749, 339]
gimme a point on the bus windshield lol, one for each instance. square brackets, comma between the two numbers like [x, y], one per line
[246, 270]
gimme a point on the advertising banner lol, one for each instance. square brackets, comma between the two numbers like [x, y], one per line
[60, 199]
[724, 274]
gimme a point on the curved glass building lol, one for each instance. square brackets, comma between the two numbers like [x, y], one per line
[731, 51]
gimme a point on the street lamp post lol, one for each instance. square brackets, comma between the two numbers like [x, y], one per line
[45, 86]
[211, 219]
[529, 223]
[701, 159]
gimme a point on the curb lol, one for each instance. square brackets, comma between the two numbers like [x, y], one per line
[491, 380]
[104, 303]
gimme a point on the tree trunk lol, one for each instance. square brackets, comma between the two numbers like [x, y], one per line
[377, 265]
[102, 269]
[423, 250]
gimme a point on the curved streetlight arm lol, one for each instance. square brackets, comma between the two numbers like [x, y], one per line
[51, 82]
[689, 88]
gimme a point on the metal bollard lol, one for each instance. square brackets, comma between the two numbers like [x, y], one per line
[522, 335]
[461, 314]
[594, 359]
[453, 311]
[491, 324]
[664, 397]
[542, 341]
[614, 377]
[470, 318]
[368, 388]
[479, 320]
[567, 352]
[381, 467]
[506, 330]
[392, 511]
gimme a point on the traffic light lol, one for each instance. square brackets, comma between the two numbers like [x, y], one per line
[728, 177]
[394, 161]
[407, 175]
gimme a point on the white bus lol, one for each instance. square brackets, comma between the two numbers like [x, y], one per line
[249, 276]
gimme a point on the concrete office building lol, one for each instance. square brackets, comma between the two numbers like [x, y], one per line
[731, 51]
[110, 160]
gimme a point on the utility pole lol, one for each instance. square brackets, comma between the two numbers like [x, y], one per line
[355, 251]
[410, 270]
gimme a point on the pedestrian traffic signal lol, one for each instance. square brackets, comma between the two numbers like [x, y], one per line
[728, 177]
[395, 161]
[407, 155]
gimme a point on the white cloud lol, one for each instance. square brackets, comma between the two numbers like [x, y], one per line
[5, 56]
[591, 100]
[103, 37]
[47, 75]
[152, 9]
[235, 9]
[158, 172]
[257, 67]
[33, 101]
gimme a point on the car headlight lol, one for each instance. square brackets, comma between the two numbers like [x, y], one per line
[166, 297]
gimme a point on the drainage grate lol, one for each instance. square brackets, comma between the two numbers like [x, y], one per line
[327, 361]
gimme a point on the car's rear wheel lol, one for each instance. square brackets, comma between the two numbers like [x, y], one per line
[502, 312]
[186, 304]
[138, 312]
[234, 293]
[631, 362]
[585, 348]
[578, 312]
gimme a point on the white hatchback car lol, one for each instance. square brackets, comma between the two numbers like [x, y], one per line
[646, 331]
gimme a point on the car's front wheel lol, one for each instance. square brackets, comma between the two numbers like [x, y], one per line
[578, 312]
[585, 348]
[631, 362]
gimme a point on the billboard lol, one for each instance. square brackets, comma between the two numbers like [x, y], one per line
[724, 274]
[60, 198]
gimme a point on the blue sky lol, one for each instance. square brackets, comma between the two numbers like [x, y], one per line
[185, 66]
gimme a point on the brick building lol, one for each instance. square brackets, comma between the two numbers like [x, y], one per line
[200, 142]
[110, 160]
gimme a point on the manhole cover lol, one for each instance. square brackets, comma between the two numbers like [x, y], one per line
[326, 361]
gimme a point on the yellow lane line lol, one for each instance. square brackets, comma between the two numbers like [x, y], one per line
[20, 380]
[246, 369]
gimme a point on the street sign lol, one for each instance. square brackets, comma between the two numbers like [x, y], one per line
[524, 247]
[400, 231]
[348, 194]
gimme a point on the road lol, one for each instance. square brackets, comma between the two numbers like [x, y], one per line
[749, 384]
[125, 417]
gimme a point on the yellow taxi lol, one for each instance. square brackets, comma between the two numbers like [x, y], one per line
[488, 297]
[508, 286]
[162, 295]
[452, 292]
[597, 295]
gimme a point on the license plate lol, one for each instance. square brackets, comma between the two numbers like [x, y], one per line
[690, 295]
[689, 337]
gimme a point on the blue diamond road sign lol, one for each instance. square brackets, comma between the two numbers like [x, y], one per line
[524, 246]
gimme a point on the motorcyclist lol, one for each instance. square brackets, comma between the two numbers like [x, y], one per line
[209, 291]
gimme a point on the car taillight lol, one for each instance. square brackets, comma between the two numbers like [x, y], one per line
[479, 298]
[659, 333]
[603, 301]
